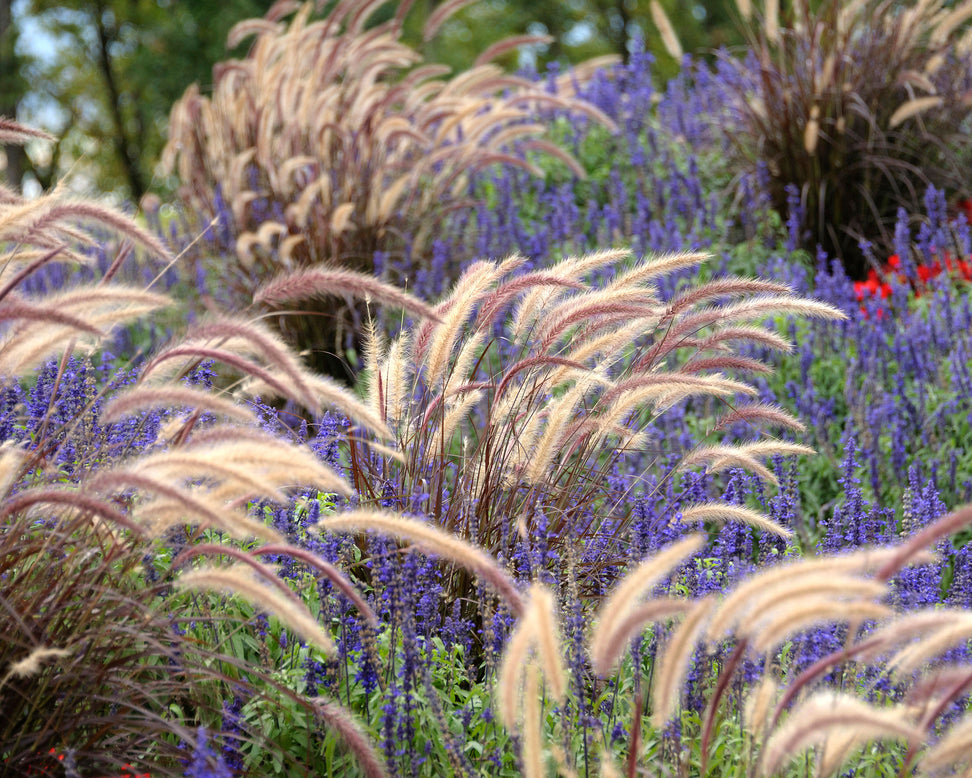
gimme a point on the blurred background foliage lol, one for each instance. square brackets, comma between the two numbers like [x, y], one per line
[101, 75]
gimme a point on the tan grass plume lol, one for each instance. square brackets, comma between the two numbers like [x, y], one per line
[604, 645]
[826, 713]
[240, 580]
[433, 539]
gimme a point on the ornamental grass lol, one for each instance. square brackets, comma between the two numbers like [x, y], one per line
[861, 106]
[108, 494]
[332, 139]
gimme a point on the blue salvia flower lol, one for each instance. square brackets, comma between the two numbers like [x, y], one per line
[784, 507]
[231, 729]
[960, 590]
[205, 762]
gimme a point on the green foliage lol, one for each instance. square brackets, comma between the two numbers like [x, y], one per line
[113, 71]
[582, 29]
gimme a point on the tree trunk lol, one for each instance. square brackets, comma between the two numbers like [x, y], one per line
[125, 146]
[11, 89]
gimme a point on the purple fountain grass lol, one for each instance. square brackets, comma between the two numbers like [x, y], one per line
[373, 149]
[843, 108]
[524, 427]
[95, 659]
[554, 449]
[524, 465]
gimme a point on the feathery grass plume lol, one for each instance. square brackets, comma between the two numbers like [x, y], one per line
[332, 139]
[534, 646]
[30, 341]
[858, 142]
[392, 377]
[240, 580]
[746, 597]
[435, 540]
[623, 630]
[471, 351]
[786, 598]
[607, 767]
[326, 281]
[754, 335]
[549, 646]
[558, 413]
[469, 291]
[918, 105]
[722, 512]
[956, 632]
[767, 305]
[937, 688]
[533, 751]
[758, 706]
[777, 626]
[516, 657]
[566, 313]
[11, 459]
[811, 133]
[249, 558]
[605, 645]
[31, 664]
[672, 45]
[21, 309]
[672, 665]
[247, 346]
[685, 330]
[333, 575]
[54, 219]
[338, 719]
[662, 388]
[509, 290]
[14, 133]
[760, 412]
[826, 713]
[533, 411]
[457, 410]
[837, 747]
[719, 458]
[955, 747]
[911, 629]
[250, 467]
[142, 397]
[662, 265]
[175, 504]
[375, 351]
[572, 269]
[329, 393]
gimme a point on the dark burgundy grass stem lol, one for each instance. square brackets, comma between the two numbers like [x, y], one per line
[713, 705]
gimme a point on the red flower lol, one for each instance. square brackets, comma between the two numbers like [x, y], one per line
[965, 206]
[928, 272]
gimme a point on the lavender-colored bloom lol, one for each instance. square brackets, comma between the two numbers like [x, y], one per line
[231, 729]
[205, 762]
